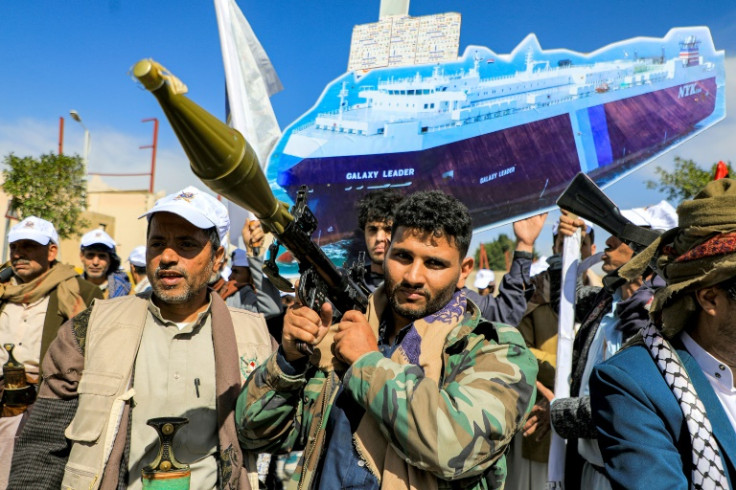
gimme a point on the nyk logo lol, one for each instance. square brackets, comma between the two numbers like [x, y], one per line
[689, 89]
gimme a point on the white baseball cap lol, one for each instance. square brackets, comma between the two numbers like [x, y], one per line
[97, 237]
[240, 258]
[138, 256]
[483, 278]
[36, 229]
[199, 208]
[661, 216]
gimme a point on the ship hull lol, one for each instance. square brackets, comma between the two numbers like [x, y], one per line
[512, 171]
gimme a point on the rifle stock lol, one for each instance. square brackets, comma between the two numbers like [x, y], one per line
[584, 198]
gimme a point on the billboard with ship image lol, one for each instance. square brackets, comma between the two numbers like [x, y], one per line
[503, 133]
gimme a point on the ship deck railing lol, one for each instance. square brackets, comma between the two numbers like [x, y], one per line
[492, 115]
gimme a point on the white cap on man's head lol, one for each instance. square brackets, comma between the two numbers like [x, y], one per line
[138, 256]
[661, 216]
[36, 229]
[483, 278]
[97, 237]
[199, 208]
[240, 258]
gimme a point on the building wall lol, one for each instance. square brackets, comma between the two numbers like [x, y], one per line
[114, 210]
[125, 207]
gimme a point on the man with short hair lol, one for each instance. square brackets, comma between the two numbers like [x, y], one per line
[418, 392]
[665, 407]
[190, 355]
[39, 296]
[102, 264]
[375, 217]
[137, 260]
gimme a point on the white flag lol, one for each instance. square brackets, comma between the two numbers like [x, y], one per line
[565, 338]
[250, 80]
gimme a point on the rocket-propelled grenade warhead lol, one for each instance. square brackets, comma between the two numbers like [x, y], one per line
[218, 154]
[225, 162]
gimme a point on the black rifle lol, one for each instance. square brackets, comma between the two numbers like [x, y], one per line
[585, 199]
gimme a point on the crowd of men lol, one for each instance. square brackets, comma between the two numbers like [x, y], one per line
[436, 385]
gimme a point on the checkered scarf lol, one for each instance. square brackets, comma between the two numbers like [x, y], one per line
[700, 253]
[707, 465]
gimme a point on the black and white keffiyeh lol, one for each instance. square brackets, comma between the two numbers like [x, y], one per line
[708, 472]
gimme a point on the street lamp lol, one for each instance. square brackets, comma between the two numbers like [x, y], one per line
[75, 115]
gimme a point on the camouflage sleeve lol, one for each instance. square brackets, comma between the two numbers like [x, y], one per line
[462, 428]
[269, 408]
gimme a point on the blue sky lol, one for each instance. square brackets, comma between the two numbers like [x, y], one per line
[76, 54]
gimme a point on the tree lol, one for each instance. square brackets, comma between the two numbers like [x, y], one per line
[496, 251]
[685, 181]
[52, 187]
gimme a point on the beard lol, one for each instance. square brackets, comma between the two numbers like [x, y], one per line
[179, 294]
[413, 312]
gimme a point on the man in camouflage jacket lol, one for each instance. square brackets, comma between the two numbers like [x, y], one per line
[419, 392]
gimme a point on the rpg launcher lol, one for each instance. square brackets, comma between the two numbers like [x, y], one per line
[227, 164]
[585, 199]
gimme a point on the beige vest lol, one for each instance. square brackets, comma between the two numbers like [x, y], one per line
[113, 337]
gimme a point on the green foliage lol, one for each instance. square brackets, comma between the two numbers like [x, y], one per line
[495, 251]
[52, 187]
[685, 181]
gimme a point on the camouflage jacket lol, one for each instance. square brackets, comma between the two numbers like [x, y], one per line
[485, 393]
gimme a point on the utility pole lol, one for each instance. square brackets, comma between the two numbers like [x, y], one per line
[153, 147]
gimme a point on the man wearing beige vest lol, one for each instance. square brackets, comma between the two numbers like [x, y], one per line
[179, 352]
[36, 297]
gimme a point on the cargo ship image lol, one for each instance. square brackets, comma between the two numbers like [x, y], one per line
[505, 144]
